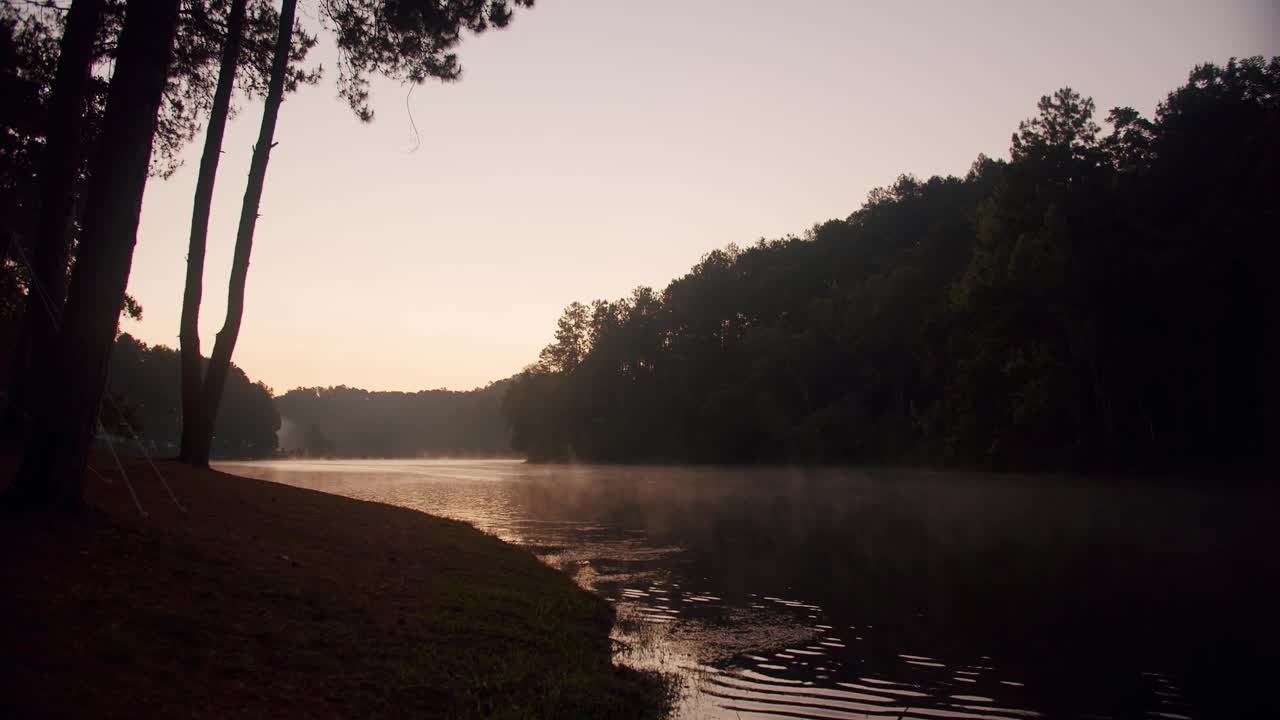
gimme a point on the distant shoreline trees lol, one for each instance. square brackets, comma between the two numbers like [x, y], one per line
[1097, 301]
[145, 387]
[351, 422]
[332, 422]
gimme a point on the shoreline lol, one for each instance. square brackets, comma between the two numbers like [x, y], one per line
[265, 599]
[1228, 477]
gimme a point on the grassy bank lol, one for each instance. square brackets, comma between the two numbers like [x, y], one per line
[267, 600]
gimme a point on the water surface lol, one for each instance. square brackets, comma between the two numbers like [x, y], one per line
[858, 593]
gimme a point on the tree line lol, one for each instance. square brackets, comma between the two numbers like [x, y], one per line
[350, 422]
[1098, 300]
[100, 95]
[144, 405]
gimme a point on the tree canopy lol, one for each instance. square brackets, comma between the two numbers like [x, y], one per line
[29, 34]
[161, 82]
[144, 387]
[350, 422]
[406, 40]
[1098, 300]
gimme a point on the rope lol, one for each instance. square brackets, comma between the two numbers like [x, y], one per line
[120, 466]
[45, 299]
[101, 477]
[4, 396]
[141, 446]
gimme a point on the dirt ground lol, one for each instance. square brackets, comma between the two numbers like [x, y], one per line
[264, 600]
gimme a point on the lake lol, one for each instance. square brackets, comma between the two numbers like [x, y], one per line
[829, 593]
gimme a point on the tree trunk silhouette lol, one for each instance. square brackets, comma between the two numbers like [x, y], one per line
[59, 168]
[220, 361]
[189, 331]
[73, 373]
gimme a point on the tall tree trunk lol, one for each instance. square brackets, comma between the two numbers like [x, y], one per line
[59, 166]
[220, 362]
[74, 374]
[189, 332]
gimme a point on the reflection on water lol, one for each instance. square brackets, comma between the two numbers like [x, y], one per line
[853, 594]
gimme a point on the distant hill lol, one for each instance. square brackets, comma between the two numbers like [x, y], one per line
[350, 422]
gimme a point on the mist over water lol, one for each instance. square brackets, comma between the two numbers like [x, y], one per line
[861, 593]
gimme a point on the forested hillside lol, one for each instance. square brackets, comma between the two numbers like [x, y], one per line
[145, 388]
[317, 422]
[350, 422]
[1100, 299]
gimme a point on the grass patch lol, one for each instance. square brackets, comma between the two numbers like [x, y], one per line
[269, 600]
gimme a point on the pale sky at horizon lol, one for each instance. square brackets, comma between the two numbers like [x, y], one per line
[597, 145]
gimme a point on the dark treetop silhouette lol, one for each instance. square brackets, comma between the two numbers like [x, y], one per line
[409, 40]
[1096, 301]
[54, 107]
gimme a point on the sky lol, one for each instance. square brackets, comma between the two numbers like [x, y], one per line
[597, 145]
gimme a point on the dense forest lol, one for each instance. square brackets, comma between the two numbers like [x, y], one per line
[1099, 300]
[145, 399]
[145, 402]
[145, 392]
[350, 422]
